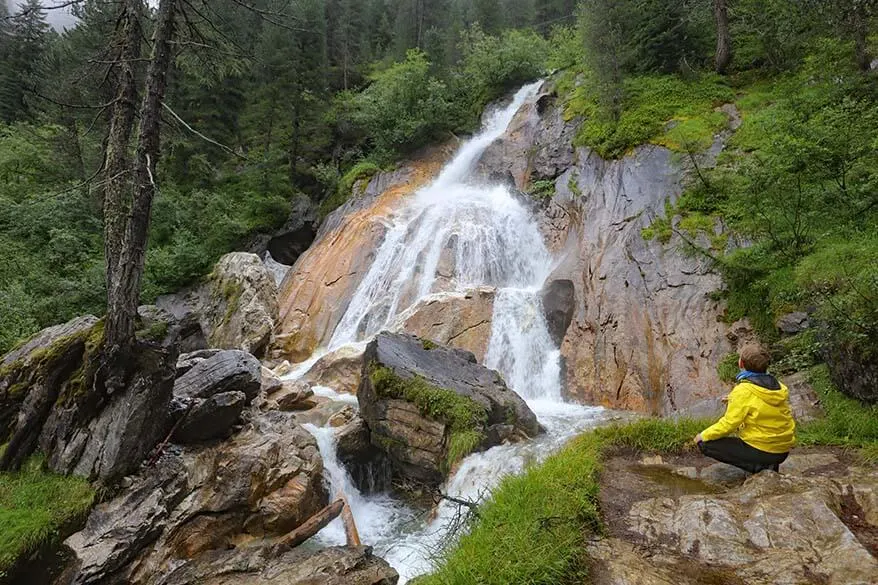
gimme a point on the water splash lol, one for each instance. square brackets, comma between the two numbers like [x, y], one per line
[454, 236]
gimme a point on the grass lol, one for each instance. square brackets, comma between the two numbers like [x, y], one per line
[727, 369]
[34, 507]
[534, 528]
[848, 422]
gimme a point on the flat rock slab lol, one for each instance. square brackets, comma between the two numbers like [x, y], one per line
[230, 370]
[815, 522]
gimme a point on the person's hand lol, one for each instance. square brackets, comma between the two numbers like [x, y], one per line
[698, 438]
[724, 399]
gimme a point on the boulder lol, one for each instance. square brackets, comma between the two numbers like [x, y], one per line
[340, 370]
[460, 319]
[559, 303]
[793, 323]
[263, 482]
[293, 396]
[427, 406]
[211, 418]
[240, 304]
[296, 235]
[271, 383]
[804, 402]
[368, 466]
[851, 370]
[53, 399]
[264, 565]
[189, 360]
[230, 370]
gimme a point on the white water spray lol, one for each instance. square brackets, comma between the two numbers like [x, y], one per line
[452, 236]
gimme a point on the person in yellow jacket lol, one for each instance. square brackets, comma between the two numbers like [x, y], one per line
[759, 416]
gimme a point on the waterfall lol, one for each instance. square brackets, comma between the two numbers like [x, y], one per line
[453, 235]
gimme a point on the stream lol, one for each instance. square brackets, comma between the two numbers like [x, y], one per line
[483, 236]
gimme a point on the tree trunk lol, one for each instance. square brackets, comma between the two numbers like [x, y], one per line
[124, 289]
[861, 34]
[312, 525]
[723, 36]
[117, 162]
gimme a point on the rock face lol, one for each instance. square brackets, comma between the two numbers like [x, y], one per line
[559, 303]
[262, 566]
[851, 371]
[51, 400]
[407, 394]
[461, 320]
[317, 290]
[236, 309]
[264, 481]
[241, 306]
[800, 526]
[645, 334]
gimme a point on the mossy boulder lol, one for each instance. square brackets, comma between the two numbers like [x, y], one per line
[427, 406]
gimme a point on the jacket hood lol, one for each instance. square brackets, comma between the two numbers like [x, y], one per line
[767, 388]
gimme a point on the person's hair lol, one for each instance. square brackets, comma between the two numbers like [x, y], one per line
[755, 357]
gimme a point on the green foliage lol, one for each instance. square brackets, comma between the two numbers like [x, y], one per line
[362, 170]
[848, 422]
[35, 506]
[798, 352]
[654, 435]
[543, 189]
[663, 110]
[727, 369]
[464, 417]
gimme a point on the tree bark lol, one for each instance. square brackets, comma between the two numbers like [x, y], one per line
[124, 289]
[117, 161]
[723, 36]
[861, 35]
[312, 525]
[352, 535]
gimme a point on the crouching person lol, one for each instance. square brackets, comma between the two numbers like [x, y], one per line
[757, 430]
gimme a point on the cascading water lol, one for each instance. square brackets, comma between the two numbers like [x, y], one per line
[452, 236]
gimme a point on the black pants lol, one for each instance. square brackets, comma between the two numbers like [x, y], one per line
[734, 451]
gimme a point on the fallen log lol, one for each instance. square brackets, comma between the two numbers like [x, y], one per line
[311, 526]
[352, 535]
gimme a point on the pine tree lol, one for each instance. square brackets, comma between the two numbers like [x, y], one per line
[23, 44]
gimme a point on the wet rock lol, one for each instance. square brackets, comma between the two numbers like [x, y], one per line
[264, 481]
[211, 418]
[559, 303]
[793, 323]
[418, 443]
[318, 289]
[271, 383]
[230, 370]
[296, 235]
[339, 370]
[266, 566]
[461, 320]
[367, 464]
[295, 395]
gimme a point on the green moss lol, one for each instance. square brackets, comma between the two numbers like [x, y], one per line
[365, 169]
[727, 369]
[464, 417]
[428, 344]
[35, 506]
[574, 187]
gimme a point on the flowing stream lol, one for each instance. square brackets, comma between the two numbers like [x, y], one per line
[454, 235]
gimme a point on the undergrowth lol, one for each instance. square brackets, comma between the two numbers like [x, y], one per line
[34, 507]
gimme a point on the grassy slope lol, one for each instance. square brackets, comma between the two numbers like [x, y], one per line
[533, 529]
[34, 506]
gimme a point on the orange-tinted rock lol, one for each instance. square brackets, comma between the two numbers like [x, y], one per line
[461, 320]
[318, 289]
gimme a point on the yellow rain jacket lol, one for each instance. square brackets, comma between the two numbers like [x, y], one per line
[760, 416]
